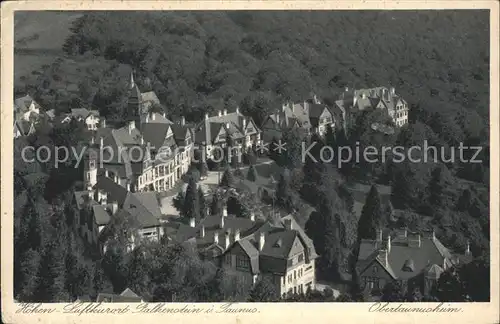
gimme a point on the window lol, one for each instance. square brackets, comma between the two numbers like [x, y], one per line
[290, 262]
[242, 262]
[88, 176]
[92, 164]
[228, 259]
[301, 257]
[294, 274]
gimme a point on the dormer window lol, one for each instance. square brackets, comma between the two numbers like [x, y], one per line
[408, 266]
[278, 243]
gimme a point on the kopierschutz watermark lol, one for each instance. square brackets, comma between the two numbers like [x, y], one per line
[327, 154]
[397, 154]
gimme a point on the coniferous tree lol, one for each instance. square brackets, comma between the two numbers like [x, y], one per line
[251, 174]
[203, 203]
[283, 194]
[114, 265]
[191, 207]
[438, 184]
[51, 275]
[216, 205]
[178, 202]
[313, 166]
[138, 272]
[227, 179]
[371, 218]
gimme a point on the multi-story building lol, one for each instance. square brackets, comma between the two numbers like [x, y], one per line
[310, 116]
[413, 259]
[108, 202]
[214, 131]
[149, 153]
[354, 100]
[253, 249]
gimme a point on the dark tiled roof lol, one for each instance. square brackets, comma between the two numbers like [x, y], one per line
[143, 215]
[101, 216]
[114, 190]
[155, 133]
[402, 252]
[150, 202]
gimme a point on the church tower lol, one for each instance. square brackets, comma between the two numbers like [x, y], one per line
[90, 168]
[134, 103]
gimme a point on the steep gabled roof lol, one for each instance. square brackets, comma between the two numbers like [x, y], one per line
[114, 190]
[143, 215]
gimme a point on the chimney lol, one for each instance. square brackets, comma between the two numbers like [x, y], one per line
[106, 173]
[388, 244]
[153, 115]
[164, 115]
[222, 221]
[183, 120]
[288, 224]
[92, 140]
[224, 211]
[147, 118]
[227, 241]
[116, 178]
[225, 112]
[216, 237]
[277, 118]
[128, 186]
[103, 123]
[192, 222]
[252, 216]
[393, 91]
[131, 125]
[206, 116]
[379, 235]
[202, 231]
[114, 207]
[237, 235]
[142, 140]
[262, 240]
[220, 113]
[237, 109]
[244, 123]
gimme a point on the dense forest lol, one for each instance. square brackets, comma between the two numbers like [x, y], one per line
[438, 61]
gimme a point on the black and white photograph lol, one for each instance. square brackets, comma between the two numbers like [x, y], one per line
[251, 156]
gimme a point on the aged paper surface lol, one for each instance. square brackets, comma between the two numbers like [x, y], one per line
[396, 312]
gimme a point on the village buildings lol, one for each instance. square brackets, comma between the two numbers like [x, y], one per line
[254, 248]
[355, 100]
[310, 116]
[416, 260]
[215, 131]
